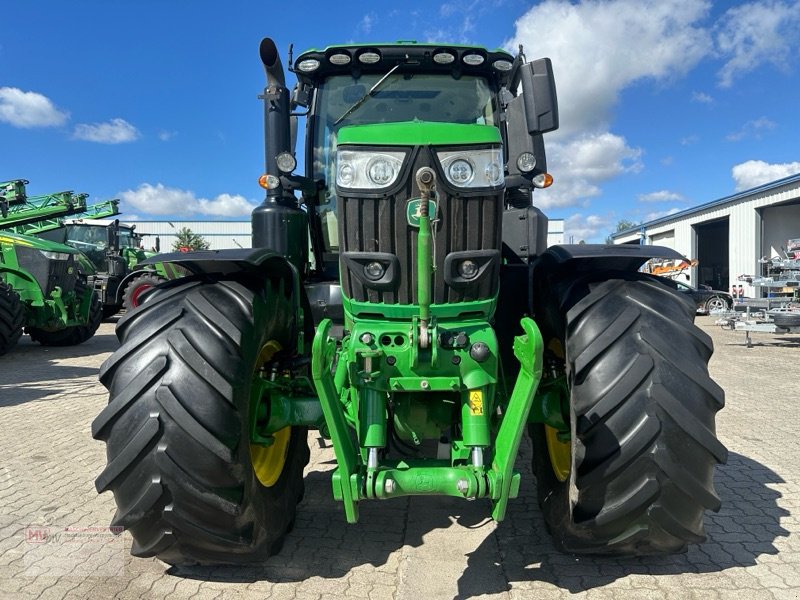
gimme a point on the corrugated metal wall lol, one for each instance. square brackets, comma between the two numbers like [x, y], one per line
[744, 236]
[219, 234]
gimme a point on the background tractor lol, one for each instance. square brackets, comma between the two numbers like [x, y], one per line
[43, 290]
[426, 331]
[115, 251]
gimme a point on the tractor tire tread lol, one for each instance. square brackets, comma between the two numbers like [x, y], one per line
[184, 488]
[643, 406]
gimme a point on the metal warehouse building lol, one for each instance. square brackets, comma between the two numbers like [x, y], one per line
[219, 234]
[236, 234]
[728, 236]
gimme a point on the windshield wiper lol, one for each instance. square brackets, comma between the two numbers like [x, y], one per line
[363, 98]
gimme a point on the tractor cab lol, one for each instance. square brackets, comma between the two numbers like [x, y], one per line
[376, 114]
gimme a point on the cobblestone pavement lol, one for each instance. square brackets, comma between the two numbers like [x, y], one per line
[53, 541]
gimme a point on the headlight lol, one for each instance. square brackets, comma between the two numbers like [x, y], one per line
[473, 168]
[55, 255]
[365, 170]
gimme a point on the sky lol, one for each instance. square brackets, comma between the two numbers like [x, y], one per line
[664, 104]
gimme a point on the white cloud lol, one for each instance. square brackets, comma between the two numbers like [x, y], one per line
[367, 22]
[225, 205]
[579, 165]
[29, 109]
[599, 48]
[589, 228]
[752, 129]
[753, 173]
[660, 196]
[161, 200]
[755, 33]
[690, 139]
[702, 98]
[115, 131]
[166, 136]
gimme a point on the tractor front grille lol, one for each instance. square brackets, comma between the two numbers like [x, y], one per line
[466, 223]
[49, 273]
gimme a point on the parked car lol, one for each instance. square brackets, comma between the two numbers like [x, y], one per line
[705, 298]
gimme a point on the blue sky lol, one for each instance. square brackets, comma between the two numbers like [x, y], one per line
[664, 104]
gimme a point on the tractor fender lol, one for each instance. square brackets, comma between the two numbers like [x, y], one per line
[559, 267]
[32, 291]
[581, 258]
[236, 262]
[250, 265]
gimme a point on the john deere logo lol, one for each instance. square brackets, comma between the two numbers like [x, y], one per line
[413, 211]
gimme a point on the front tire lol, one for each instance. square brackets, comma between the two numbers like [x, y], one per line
[642, 445]
[12, 318]
[177, 427]
[76, 334]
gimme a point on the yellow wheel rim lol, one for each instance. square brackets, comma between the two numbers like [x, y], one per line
[268, 461]
[560, 453]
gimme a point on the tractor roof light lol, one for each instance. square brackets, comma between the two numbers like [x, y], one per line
[339, 59]
[369, 57]
[443, 58]
[308, 65]
[473, 60]
[542, 180]
[502, 65]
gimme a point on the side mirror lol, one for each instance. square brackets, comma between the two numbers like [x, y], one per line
[539, 95]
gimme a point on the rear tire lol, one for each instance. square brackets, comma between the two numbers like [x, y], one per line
[132, 296]
[12, 317]
[641, 412]
[177, 427]
[77, 334]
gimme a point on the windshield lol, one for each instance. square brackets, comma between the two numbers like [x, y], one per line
[344, 100]
[127, 239]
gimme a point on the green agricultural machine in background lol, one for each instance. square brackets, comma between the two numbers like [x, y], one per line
[42, 289]
[115, 251]
[429, 328]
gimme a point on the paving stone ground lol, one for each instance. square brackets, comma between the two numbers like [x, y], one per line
[54, 542]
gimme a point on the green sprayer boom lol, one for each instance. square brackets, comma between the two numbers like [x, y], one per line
[100, 210]
[36, 208]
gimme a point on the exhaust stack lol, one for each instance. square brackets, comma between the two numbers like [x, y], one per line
[276, 112]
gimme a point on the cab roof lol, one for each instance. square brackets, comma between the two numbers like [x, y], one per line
[454, 59]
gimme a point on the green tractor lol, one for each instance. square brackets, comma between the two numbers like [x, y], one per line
[43, 292]
[43, 287]
[114, 250]
[428, 328]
